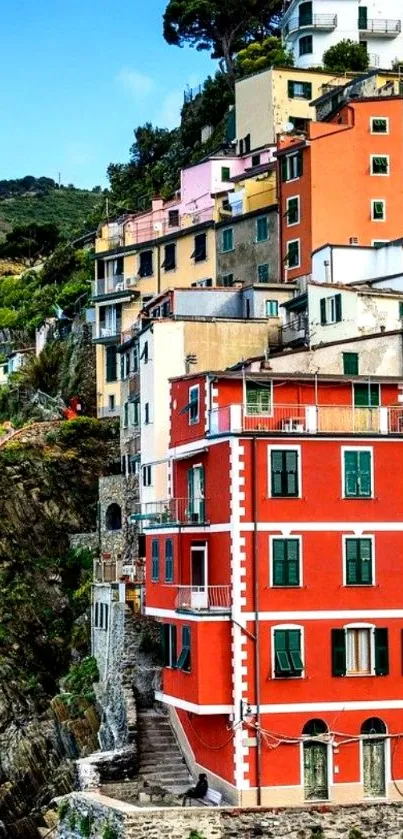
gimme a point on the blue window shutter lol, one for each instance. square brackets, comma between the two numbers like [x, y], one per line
[350, 473]
[338, 652]
[381, 652]
[352, 561]
[323, 311]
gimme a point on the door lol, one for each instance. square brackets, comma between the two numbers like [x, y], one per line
[196, 494]
[110, 320]
[366, 407]
[374, 768]
[315, 771]
[362, 17]
[305, 14]
[199, 577]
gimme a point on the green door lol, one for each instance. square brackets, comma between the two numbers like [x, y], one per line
[374, 768]
[362, 17]
[366, 396]
[305, 14]
[315, 771]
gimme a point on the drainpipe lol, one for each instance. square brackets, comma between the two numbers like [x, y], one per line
[158, 269]
[257, 631]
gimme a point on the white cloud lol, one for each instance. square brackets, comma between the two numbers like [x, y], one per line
[138, 84]
[168, 113]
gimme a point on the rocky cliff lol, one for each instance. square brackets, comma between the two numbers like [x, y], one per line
[48, 489]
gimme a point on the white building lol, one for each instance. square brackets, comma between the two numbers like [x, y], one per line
[310, 28]
[381, 266]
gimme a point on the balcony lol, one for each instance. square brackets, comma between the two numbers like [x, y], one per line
[115, 571]
[295, 332]
[173, 512]
[116, 284]
[324, 23]
[106, 413]
[203, 599]
[307, 419]
[380, 28]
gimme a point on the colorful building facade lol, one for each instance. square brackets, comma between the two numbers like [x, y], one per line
[272, 570]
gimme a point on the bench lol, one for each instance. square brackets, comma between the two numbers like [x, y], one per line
[211, 799]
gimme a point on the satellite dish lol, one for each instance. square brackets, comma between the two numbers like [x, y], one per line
[287, 127]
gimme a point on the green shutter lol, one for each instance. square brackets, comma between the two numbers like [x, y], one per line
[284, 169]
[168, 561]
[400, 309]
[279, 562]
[291, 469]
[352, 561]
[364, 473]
[282, 662]
[362, 17]
[323, 310]
[350, 473]
[292, 547]
[155, 560]
[381, 652]
[277, 461]
[350, 363]
[307, 90]
[290, 87]
[299, 165]
[111, 364]
[365, 546]
[337, 301]
[294, 649]
[338, 652]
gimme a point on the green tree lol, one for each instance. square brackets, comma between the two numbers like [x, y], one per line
[222, 26]
[346, 55]
[262, 54]
[30, 242]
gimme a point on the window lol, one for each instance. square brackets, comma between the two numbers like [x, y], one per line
[299, 90]
[173, 218]
[111, 364]
[377, 243]
[292, 211]
[146, 264]
[357, 473]
[155, 560]
[136, 412]
[200, 248]
[263, 273]
[247, 143]
[285, 562]
[225, 173]
[111, 402]
[101, 617]
[258, 398]
[113, 517]
[305, 45]
[169, 564]
[127, 360]
[271, 307]
[255, 160]
[135, 359]
[358, 562]
[330, 309]
[291, 166]
[101, 269]
[194, 404]
[284, 479]
[400, 309]
[125, 414]
[144, 353]
[305, 14]
[287, 652]
[366, 395]
[146, 476]
[165, 309]
[379, 125]
[196, 507]
[360, 651]
[225, 280]
[363, 17]
[227, 240]
[293, 256]
[299, 123]
[147, 414]
[379, 164]
[378, 210]
[169, 263]
[168, 641]
[184, 661]
[350, 363]
[262, 229]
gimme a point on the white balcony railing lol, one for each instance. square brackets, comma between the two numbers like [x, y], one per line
[204, 598]
[324, 22]
[312, 419]
[381, 27]
[113, 285]
[105, 412]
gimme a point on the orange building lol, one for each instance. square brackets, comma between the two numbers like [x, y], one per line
[342, 183]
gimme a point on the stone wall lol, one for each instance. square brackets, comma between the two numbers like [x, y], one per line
[367, 821]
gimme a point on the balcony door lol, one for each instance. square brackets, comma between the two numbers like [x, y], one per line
[199, 575]
[362, 17]
[196, 493]
[305, 14]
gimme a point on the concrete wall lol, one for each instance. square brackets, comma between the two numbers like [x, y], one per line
[247, 254]
[367, 821]
[351, 264]
[378, 356]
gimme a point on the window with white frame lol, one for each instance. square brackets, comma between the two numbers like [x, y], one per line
[379, 125]
[380, 164]
[293, 210]
[287, 652]
[194, 393]
[271, 308]
[147, 476]
[360, 650]
[378, 209]
[293, 257]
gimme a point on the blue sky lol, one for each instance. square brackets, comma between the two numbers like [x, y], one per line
[78, 76]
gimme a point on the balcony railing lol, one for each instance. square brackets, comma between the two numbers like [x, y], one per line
[114, 571]
[311, 419]
[104, 413]
[113, 285]
[171, 512]
[105, 332]
[381, 27]
[295, 332]
[325, 22]
[204, 598]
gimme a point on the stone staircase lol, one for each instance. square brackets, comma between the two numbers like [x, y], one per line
[161, 761]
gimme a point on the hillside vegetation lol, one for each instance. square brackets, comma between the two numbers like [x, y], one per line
[43, 202]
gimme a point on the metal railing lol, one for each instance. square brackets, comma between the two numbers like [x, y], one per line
[312, 419]
[381, 26]
[103, 412]
[115, 571]
[114, 284]
[203, 598]
[171, 512]
[295, 331]
[106, 332]
[311, 21]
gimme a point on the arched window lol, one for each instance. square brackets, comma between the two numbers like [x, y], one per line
[113, 517]
[313, 728]
[373, 725]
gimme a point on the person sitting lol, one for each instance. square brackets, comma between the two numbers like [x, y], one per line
[199, 791]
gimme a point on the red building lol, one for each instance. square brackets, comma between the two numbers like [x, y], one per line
[275, 570]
